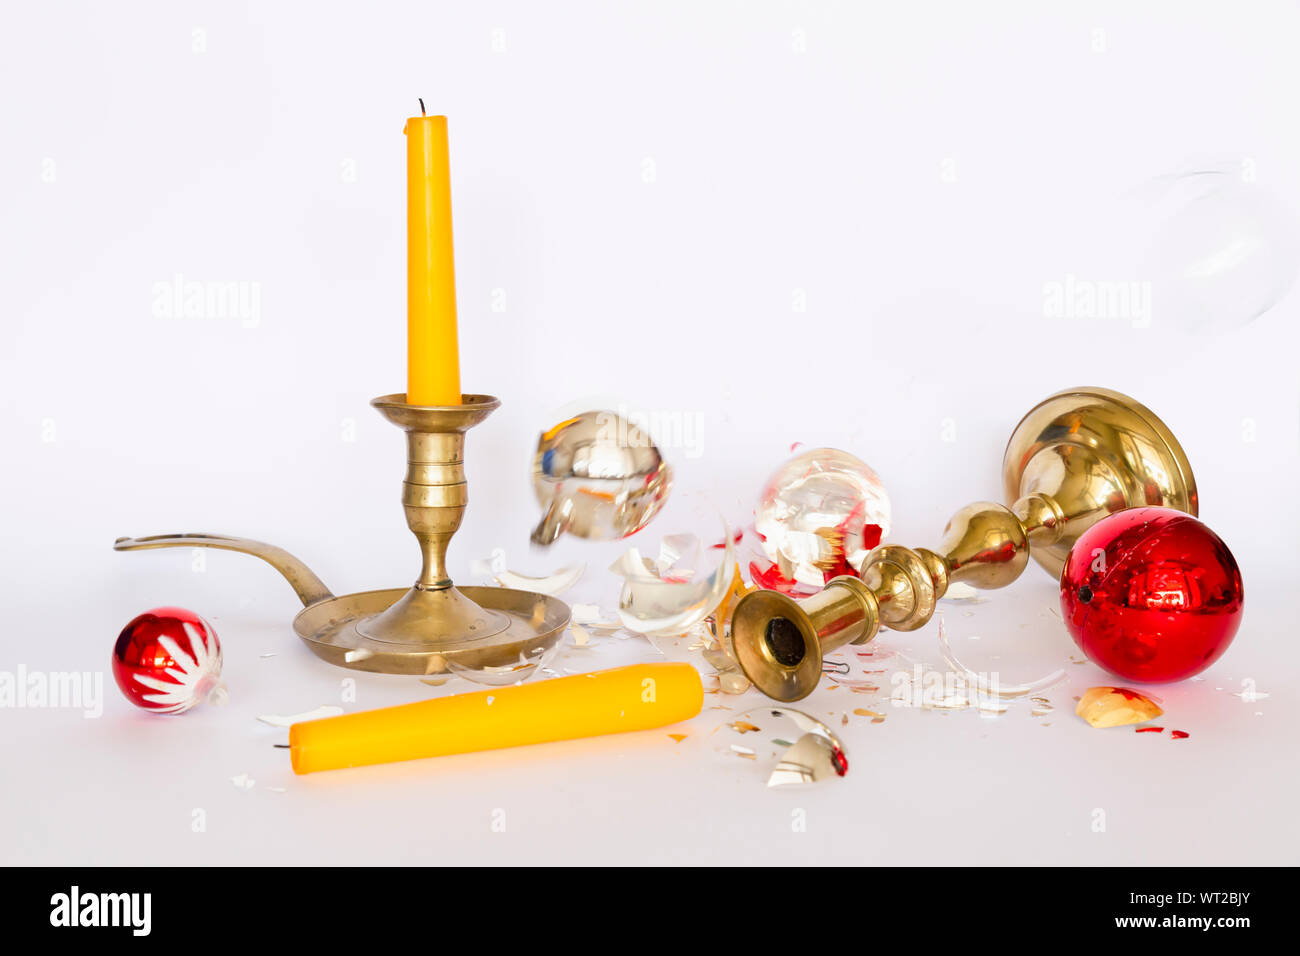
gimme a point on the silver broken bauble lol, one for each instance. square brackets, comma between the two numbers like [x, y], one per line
[597, 476]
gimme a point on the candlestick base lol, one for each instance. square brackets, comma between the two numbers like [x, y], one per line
[385, 632]
[444, 616]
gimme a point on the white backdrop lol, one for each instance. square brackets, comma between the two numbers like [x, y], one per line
[838, 224]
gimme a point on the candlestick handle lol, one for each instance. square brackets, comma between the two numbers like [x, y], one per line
[309, 588]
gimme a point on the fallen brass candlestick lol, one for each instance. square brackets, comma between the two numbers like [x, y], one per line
[490, 634]
[1076, 457]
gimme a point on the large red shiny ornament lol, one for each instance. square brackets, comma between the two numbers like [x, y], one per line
[1151, 594]
[167, 660]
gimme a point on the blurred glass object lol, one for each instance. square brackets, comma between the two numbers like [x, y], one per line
[1223, 249]
[597, 476]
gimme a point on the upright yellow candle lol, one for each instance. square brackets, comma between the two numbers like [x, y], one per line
[637, 697]
[432, 351]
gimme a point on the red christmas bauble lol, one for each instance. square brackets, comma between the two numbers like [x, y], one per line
[167, 660]
[1151, 594]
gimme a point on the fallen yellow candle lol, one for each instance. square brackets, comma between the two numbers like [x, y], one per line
[638, 697]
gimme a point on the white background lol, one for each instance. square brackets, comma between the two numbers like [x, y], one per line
[826, 223]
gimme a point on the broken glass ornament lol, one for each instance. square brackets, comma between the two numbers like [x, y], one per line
[818, 516]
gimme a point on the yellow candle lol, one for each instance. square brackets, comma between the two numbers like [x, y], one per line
[607, 702]
[432, 352]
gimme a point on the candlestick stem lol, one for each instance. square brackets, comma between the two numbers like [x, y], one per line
[434, 497]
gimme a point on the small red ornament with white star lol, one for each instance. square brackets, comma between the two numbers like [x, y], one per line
[167, 660]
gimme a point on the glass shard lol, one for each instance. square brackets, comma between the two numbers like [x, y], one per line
[662, 599]
[555, 583]
[1116, 707]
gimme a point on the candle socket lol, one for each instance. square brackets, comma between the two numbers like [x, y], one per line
[779, 642]
[1074, 458]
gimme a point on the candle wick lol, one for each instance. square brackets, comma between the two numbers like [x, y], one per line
[422, 112]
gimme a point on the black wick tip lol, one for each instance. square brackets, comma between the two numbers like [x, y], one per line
[422, 112]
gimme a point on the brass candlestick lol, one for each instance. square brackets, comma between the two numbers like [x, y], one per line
[495, 634]
[1076, 457]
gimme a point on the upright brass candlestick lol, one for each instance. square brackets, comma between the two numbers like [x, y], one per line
[434, 496]
[485, 632]
[1075, 458]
